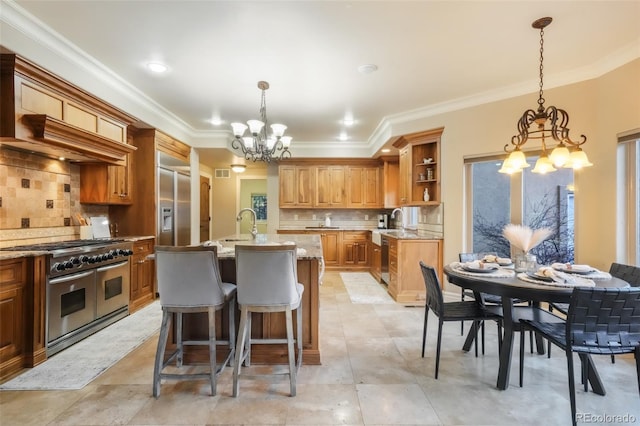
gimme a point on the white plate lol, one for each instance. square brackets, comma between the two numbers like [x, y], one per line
[574, 271]
[479, 270]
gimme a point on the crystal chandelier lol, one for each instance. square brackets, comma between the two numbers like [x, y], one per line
[557, 119]
[260, 146]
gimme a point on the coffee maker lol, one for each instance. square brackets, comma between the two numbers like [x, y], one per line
[383, 221]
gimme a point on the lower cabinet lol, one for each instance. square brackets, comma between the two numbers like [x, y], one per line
[141, 286]
[376, 262]
[406, 284]
[355, 249]
[22, 322]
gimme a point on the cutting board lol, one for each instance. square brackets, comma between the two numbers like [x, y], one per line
[100, 227]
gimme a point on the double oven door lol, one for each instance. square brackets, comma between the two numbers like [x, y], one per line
[79, 302]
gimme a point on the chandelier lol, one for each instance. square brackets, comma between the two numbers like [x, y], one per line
[260, 146]
[557, 132]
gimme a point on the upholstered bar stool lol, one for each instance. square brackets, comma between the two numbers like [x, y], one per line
[267, 280]
[189, 282]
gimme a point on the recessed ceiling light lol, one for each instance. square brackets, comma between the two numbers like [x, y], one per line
[157, 67]
[215, 121]
[367, 68]
[348, 122]
[343, 137]
[385, 150]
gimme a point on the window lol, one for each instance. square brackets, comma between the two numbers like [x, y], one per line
[495, 199]
[628, 196]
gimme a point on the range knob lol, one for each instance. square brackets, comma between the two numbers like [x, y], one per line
[75, 261]
[68, 264]
[84, 258]
[93, 259]
[110, 255]
[57, 267]
[104, 257]
[125, 252]
[114, 253]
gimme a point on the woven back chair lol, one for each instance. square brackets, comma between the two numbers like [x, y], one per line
[630, 274]
[469, 310]
[600, 321]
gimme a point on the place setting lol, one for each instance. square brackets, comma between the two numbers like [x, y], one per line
[489, 266]
[548, 275]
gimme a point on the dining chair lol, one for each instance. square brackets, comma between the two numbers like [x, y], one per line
[600, 321]
[628, 273]
[487, 299]
[267, 280]
[470, 310]
[189, 282]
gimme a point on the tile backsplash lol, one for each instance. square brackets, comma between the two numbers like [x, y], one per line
[39, 197]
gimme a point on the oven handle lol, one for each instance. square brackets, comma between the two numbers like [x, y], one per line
[115, 265]
[67, 278]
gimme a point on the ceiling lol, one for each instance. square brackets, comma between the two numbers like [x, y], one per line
[428, 53]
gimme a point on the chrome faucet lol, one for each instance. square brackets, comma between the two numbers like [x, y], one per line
[393, 216]
[254, 228]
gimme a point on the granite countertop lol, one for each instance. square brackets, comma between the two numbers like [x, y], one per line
[393, 233]
[309, 246]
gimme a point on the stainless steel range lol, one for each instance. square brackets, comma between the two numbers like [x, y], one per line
[87, 287]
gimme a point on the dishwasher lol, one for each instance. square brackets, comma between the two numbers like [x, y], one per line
[384, 264]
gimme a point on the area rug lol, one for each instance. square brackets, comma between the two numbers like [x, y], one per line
[78, 365]
[363, 288]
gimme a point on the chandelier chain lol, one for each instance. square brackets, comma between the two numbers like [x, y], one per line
[540, 97]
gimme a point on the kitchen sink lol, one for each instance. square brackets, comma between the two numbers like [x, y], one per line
[230, 240]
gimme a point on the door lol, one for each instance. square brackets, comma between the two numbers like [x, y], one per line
[112, 287]
[165, 207]
[72, 303]
[205, 218]
[183, 209]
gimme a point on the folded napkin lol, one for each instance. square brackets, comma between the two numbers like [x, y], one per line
[478, 264]
[568, 267]
[213, 243]
[561, 277]
[558, 279]
[496, 272]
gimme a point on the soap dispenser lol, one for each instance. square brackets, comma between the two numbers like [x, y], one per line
[327, 220]
[426, 194]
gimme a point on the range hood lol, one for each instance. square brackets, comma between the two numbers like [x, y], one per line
[55, 138]
[43, 114]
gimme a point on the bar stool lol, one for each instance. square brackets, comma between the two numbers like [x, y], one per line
[189, 282]
[267, 280]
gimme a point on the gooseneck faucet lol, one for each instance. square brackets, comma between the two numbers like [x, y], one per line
[254, 228]
[393, 216]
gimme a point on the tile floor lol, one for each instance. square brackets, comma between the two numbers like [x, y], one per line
[372, 373]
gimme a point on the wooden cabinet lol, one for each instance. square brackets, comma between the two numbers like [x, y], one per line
[296, 186]
[419, 169]
[376, 261]
[355, 249]
[406, 284]
[106, 183]
[22, 314]
[42, 113]
[364, 187]
[330, 187]
[141, 284]
[390, 186]
[331, 247]
[336, 183]
[13, 286]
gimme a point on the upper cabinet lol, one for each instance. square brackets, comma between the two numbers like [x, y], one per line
[364, 187]
[341, 184]
[419, 170]
[42, 113]
[296, 186]
[330, 187]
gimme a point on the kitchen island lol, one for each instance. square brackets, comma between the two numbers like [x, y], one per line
[267, 325]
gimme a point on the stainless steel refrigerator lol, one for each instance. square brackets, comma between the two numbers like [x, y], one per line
[174, 201]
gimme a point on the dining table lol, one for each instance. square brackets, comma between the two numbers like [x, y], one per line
[509, 287]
